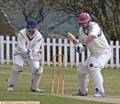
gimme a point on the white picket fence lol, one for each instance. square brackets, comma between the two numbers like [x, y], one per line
[53, 47]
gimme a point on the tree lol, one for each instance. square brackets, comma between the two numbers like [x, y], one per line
[32, 9]
[29, 8]
[6, 26]
[105, 12]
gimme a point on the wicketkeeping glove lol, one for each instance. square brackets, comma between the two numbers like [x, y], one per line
[28, 53]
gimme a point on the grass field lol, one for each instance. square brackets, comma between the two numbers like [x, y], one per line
[22, 93]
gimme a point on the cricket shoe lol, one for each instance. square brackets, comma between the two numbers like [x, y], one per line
[37, 90]
[99, 94]
[11, 88]
[78, 93]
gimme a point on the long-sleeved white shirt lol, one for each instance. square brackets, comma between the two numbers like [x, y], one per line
[98, 45]
[24, 42]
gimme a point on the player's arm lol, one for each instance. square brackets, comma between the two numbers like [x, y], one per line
[21, 44]
[36, 52]
[93, 33]
[38, 44]
[89, 39]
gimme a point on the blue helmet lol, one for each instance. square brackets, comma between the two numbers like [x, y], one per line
[32, 23]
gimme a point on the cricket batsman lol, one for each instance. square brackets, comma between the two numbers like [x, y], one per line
[27, 51]
[91, 37]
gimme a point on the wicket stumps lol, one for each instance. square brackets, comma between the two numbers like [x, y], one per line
[58, 85]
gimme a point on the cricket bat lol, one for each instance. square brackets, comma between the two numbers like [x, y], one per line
[72, 38]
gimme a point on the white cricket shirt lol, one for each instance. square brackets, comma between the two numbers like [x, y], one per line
[100, 44]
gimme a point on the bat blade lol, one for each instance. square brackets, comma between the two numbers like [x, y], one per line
[72, 38]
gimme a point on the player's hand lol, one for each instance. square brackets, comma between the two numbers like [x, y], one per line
[80, 47]
[28, 53]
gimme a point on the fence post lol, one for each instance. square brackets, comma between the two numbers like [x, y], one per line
[8, 49]
[117, 54]
[54, 46]
[112, 59]
[72, 54]
[48, 51]
[2, 49]
[60, 47]
[65, 52]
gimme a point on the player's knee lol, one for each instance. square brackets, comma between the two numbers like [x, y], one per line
[36, 66]
[82, 68]
[17, 68]
[83, 75]
[93, 64]
[39, 71]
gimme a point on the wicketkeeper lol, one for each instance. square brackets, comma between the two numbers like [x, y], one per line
[91, 37]
[27, 51]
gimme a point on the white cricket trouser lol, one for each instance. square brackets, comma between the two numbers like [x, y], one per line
[93, 65]
[35, 67]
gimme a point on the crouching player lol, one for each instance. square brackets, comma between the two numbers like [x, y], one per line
[27, 51]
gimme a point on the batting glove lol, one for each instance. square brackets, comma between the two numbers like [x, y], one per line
[80, 47]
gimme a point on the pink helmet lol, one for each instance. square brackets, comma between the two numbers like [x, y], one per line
[84, 17]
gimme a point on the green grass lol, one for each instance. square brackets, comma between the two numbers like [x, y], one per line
[111, 83]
